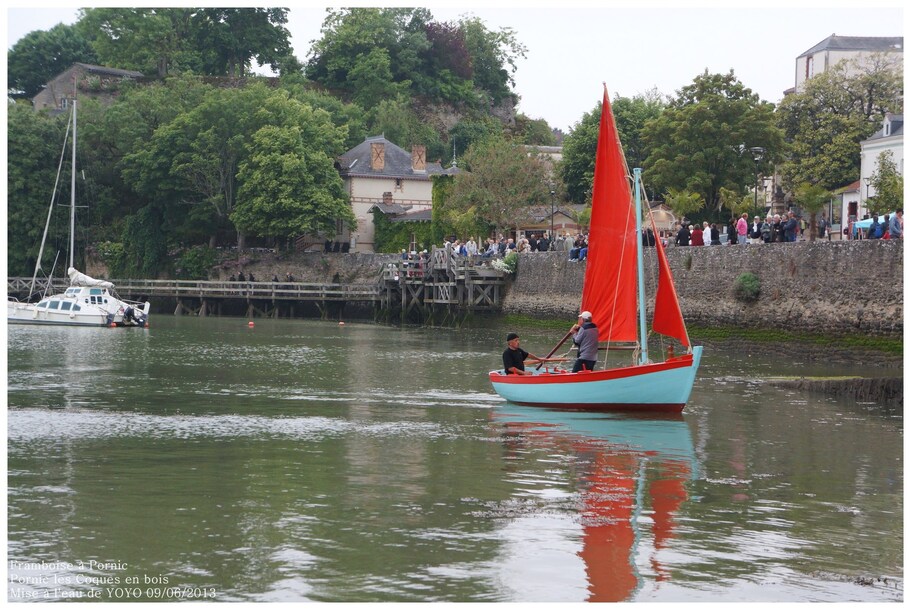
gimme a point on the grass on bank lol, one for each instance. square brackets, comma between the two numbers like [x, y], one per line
[757, 335]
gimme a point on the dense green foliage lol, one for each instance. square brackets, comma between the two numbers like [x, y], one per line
[701, 142]
[369, 54]
[501, 183]
[397, 236]
[162, 41]
[185, 162]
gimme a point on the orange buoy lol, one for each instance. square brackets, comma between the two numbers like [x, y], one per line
[341, 324]
[251, 325]
[113, 325]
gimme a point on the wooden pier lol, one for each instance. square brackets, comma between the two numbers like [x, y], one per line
[439, 287]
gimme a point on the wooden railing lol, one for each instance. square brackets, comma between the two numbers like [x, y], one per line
[287, 291]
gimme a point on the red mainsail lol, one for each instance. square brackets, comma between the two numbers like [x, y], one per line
[611, 274]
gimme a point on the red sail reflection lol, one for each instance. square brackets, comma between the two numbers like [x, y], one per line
[627, 464]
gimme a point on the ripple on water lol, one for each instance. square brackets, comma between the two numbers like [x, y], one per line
[27, 425]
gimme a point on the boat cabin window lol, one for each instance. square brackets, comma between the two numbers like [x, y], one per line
[54, 305]
[71, 292]
[42, 305]
[76, 307]
[95, 291]
[65, 305]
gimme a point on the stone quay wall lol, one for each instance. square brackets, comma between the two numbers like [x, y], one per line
[834, 287]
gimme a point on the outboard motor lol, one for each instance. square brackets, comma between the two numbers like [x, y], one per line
[137, 316]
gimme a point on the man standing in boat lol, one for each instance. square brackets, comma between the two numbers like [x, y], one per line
[513, 359]
[585, 338]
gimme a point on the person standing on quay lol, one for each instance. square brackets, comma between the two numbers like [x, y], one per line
[896, 226]
[697, 236]
[742, 229]
[682, 238]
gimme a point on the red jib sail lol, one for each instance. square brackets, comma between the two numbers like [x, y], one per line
[611, 275]
[668, 318]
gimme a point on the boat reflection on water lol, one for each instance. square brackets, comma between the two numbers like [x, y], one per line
[628, 468]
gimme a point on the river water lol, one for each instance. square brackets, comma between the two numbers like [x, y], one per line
[304, 460]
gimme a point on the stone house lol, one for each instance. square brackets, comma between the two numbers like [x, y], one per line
[376, 172]
[82, 80]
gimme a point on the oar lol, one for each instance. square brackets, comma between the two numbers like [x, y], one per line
[553, 351]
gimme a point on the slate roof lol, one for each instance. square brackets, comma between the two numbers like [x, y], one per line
[400, 213]
[356, 162]
[858, 43]
[109, 71]
[897, 128]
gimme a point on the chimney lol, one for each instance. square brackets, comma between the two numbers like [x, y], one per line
[419, 158]
[377, 156]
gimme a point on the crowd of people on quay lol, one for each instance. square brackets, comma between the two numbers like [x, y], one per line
[785, 228]
[777, 228]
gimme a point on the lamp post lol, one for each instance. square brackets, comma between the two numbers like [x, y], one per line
[757, 153]
[552, 210]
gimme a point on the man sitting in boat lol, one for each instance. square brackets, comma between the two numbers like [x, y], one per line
[585, 338]
[513, 359]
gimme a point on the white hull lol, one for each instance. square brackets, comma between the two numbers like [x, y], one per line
[29, 313]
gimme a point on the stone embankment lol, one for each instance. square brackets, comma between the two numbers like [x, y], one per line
[821, 287]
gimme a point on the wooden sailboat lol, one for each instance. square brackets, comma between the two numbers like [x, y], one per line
[614, 292]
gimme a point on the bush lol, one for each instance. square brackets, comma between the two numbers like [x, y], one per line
[507, 264]
[746, 288]
[194, 263]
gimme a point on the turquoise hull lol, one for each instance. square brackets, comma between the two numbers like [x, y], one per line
[663, 386]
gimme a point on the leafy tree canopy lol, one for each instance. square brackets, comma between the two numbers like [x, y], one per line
[501, 182]
[41, 55]
[702, 141]
[413, 53]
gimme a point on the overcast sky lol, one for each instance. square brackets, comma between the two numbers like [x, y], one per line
[574, 47]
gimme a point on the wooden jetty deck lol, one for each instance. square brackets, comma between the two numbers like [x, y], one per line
[441, 283]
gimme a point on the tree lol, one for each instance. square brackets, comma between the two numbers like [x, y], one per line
[684, 203]
[694, 144]
[888, 184]
[631, 114]
[812, 198]
[233, 37]
[494, 56]
[578, 151]
[398, 120]
[371, 79]
[41, 55]
[826, 121]
[289, 185]
[152, 41]
[35, 143]
[501, 184]
[580, 146]
[535, 132]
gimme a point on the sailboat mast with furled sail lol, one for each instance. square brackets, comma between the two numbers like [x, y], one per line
[614, 293]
